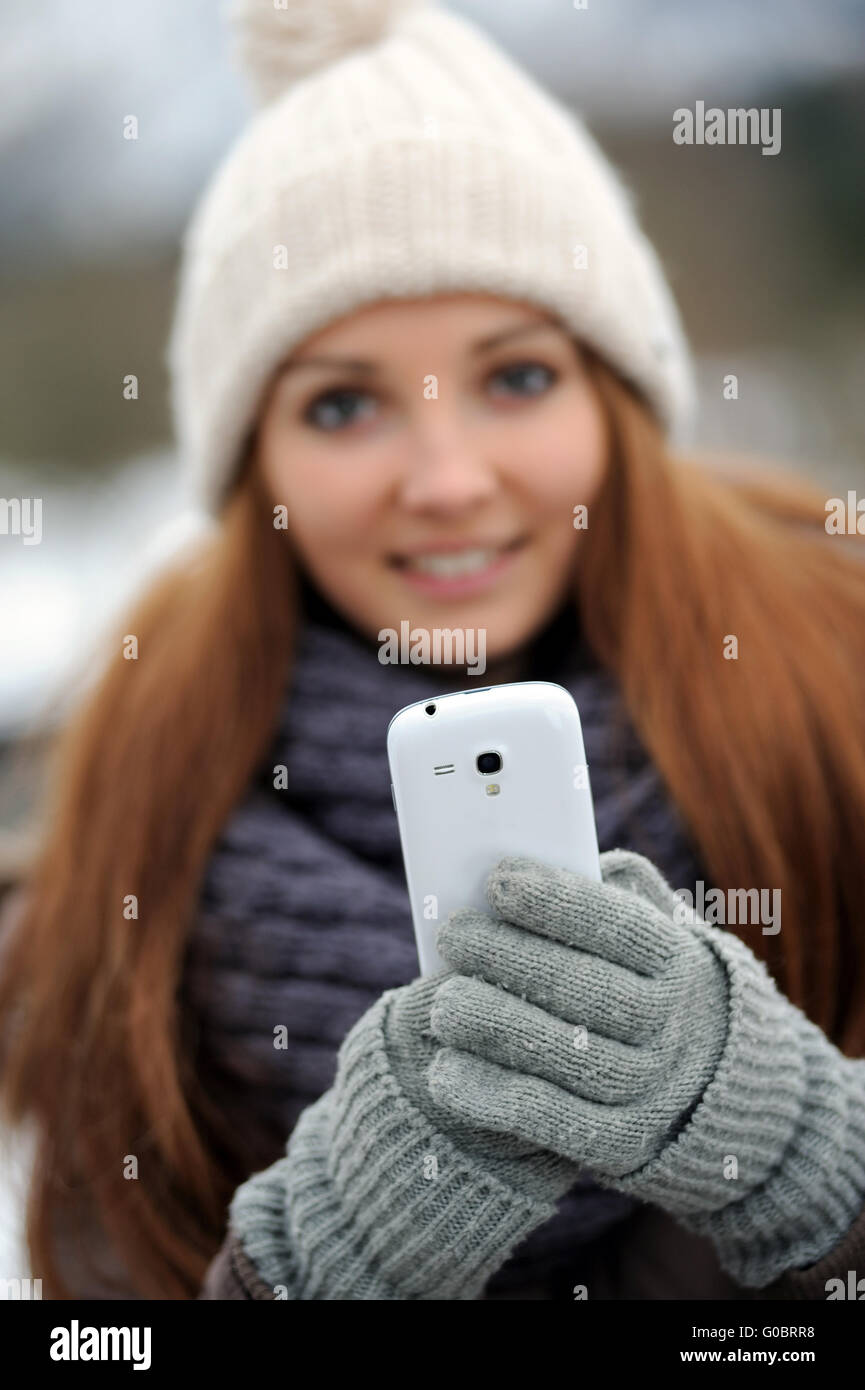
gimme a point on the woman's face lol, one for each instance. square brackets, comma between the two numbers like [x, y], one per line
[430, 454]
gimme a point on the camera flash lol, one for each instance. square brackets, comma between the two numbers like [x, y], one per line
[493, 788]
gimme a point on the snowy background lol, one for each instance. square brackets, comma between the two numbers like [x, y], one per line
[765, 255]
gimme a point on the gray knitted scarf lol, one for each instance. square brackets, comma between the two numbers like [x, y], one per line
[305, 917]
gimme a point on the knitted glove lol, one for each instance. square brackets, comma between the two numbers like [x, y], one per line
[660, 1055]
[382, 1194]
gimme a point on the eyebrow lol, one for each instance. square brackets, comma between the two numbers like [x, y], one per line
[352, 364]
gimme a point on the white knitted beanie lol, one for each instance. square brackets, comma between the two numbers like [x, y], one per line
[399, 153]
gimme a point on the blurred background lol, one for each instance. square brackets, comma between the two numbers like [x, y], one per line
[766, 255]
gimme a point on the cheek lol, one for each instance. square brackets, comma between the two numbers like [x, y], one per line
[325, 501]
[567, 447]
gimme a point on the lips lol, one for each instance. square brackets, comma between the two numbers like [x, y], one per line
[450, 566]
[453, 563]
[455, 571]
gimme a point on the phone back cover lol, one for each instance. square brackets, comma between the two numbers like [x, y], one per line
[452, 830]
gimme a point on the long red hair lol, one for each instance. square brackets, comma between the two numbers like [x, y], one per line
[764, 755]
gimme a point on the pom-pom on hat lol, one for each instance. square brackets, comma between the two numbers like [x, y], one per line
[397, 152]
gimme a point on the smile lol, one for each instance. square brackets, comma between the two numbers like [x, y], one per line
[457, 571]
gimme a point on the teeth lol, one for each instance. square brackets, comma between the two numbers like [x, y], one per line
[455, 562]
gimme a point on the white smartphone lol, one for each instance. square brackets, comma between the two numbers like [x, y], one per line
[476, 775]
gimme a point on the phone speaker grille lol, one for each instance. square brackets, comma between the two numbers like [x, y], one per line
[443, 768]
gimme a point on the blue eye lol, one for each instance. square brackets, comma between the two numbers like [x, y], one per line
[524, 379]
[333, 410]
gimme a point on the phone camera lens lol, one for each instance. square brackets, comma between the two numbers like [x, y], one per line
[489, 762]
[430, 709]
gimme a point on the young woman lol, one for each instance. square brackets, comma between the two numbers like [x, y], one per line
[404, 398]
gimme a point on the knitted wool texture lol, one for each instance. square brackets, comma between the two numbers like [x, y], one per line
[304, 920]
[375, 1199]
[400, 154]
[719, 1064]
[693, 1059]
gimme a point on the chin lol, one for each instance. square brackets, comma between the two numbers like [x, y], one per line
[509, 644]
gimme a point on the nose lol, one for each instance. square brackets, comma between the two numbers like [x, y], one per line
[448, 470]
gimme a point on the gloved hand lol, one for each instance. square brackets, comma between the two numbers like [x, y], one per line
[658, 1054]
[382, 1193]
